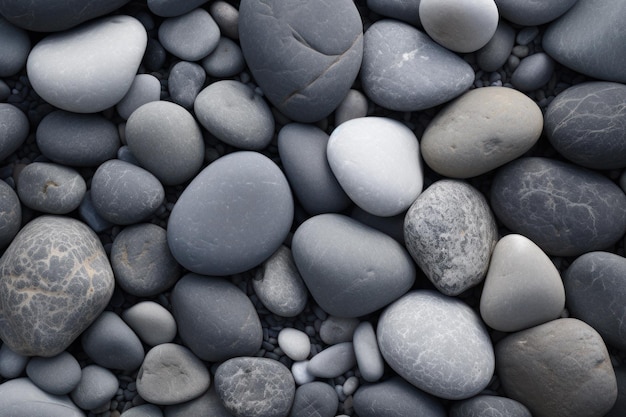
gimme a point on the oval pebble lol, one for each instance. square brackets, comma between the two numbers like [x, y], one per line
[10, 214]
[294, 343]
[226, 60]
[21, 398]
[337, 329]
[496, 52]
[208, 404]
[333, 361]
[14, 128]
[315, 399]
[190, 36]
[533, 72]
[185, 82]
[12, 364]
[489, 405]
[14, 48]
[56, 375]
[50, 188]
[301, 374]
[368, 357]
[169, 8]
[143, 410]
[397, 9]
[353, 106]
[96, 387]
[530, 13]
[437, 343]
[151, 322]
[144, 89]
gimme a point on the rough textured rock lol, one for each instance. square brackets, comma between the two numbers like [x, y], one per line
[315, 399]
[489, 406]
[21, 398]
[50, 188]
[531, 13]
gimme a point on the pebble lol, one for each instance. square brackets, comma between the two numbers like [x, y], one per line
[338, 329]
[395, 397]
[208, 404]
[21, 398]
[349, 268]
[235, 114]
[215, 319]
[190, 36]
[573, 210]
[14, 128]
[279, 286]
[96, 387]
[302, 151]
[251, 387]
[405, 70]
[526, 35]
[560, 368]
[353, 106]
[300, 372]
[620, 404]
[89, 215]
[376, 161]
[459, 25]
[56, 375]
[50, 188]
[294, 343]
[531, 13]
[12, 364]
[124, 194]
[169, 8]
[327, 38]
[350, 386]
[315, 399]
[166, 140]
[480, 131]
[244, 204]
[151, 322]
[333, 361]
[14, 48]
[78, 285]
[368, 357]
[225, 61]
[392, 226]
[227, 18]
[595, 289]
[533, 72]
[522, 289]
[437, 343]
[5, 90]
[489, 405]
[185, 82]
[79, 140]
[10, 214]
[144, 410]
[586, 124]
[587, 39]
[397, 9]
[155, 55]
[90, 68]
[144, 89]
[171, 374]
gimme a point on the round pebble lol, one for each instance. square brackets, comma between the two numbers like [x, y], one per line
[144, 89]
[56, 375]
[185, 82]
[14, 48]
[368, 357]
[315, 399]
[333, 361]
[14, 128]
[12, 364]
[227, 18]
[50, 188]
[294, 343]
[190, 36]
[496, 52]
[22, 398]
[96, 387]
[337, 329]
[10, 214]
[151, 322]
[533, 72]
[353, 106]
[225, 61]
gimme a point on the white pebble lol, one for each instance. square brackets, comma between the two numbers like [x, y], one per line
[301, 374]
[294, 343]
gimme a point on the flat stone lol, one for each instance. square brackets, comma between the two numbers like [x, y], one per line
[208, 404]
[50, 188]
[480, 131]
[12, 364]
[437, 343]
[10, 214]
[533, 72]
[144, 89]
[153, 323]
[96, 387]
[368, 357]
[566, 210]
[243, 202]
[560, 368]
[295, 343]
[407, 11]
[56, 375]
[327, 38]
[226, 60]
[333, 361]
[14, 48]
[349, 268]
[335, 330]
[530, 13]
[405, 70]
[489, 405]
[90, 68]
[315, 399]
[56, 281]
[14, 128]
[169, 8]
[21, 398]
[586, 124]
[185, 82]
[190, 36]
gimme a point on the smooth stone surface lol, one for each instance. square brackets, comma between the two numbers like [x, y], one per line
[82, 140]
[12, 364]
[405, 10]
[459, 25]
[185, 82]
[255, 387]
[243, 202]
[56, 281]
[21, 398]
[302, 151]
[587, 124]
[14, 128]
[368, 357]
[437, 343]
[405, 70]
[151, 322]
[588, 39]
[144, 410]
[295, 343]
[89, 215]
[333, 361]
[208, 404]
[327, 38]
[560, 368]
[315, 399]
[353, 106]
[349, 268]
[620, 403]
[301, 374]
[596, 293]
[376, 161]
[489, 405]
[172, 374]
[14, 48]
[279, 286]
[450, 232]
[522, 289]
[124, 194]
[235, 114]
[50, 188]
[573, 210]
[530, 13]
[191, 36]
[335, 330]
[96, 387]
[215, 319]
[227, 18]
[169, 8]
[166, 140]
[480, 131]
[90, 68]
[225, 61]
[10, 214]
[533, 72]
[392, 226]
[56, 375]
[144, 89]
[393, 398]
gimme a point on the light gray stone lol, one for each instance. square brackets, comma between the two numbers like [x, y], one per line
[12, 364]
[368, 357]
[333, 361]
[355, 105]
[21, 398]
[97, 386]
[295, 343]
[227, 18]
[151, 322]
[56, 375]
[190, 36]
[335, 330]
[489, 405]
[225, 61]
[50, 188]
[530, 13]
[144, 89]
[315, 399]
[14, 128]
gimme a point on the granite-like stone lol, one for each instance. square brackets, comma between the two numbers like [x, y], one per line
[169, 8]
[12, 364]
[185, 82]
[437, 343]
[151, 322]
[368, 357]
[21, 398]
[333, 361]
[407, 11]
[530, 13]
[96, 387]
[489, 405]
[14, 47]
[56, 281]
[50, 188]
[295, 343]
[10, 214]
[566, 210]
[14, 128]
[225, 61]
[208, 404]
[56, 375]
[335, 330]
[190, 36]
[315, 399]
[144, 89]
[533, 72]
[327, 39]
[353, 106]
[226, 16]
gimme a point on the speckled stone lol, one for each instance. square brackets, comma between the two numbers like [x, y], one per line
[21, 398]
[489, 405]
[56, 375]
[50, 188]
[56, 281]
[144, 89]
[315, 399]
[10, 214]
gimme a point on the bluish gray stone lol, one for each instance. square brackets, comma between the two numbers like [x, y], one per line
[5, 90]
[208, 404]
[226, 16]
[215, 319]
[404, 70]
[10, 214]
[368, 357]
[333, 361]
[301, 373]
[169, 8]
[295, 343]
[437, 343]
[185, 82]
[50, 188]
[496, 52]
[190, 36]
[56, 281]
[21, 398]
[255, 387]
[587, 124]
[143, 410]
[327, 38]
[566, 210]
[14, 48]
[226, 60]
[89, 215]
[353, 106]
[151, 322]
[349, 268]
[81, 140]
[533, 72]
[489, 406]
[97, 386]
[144, 89]
[530, 13]
[335, 330]
[526, 35]
[620, 403]
[14, 128]
[243, 202]
[405, 10]
[12, 364]
[315, 399]
[56, 375]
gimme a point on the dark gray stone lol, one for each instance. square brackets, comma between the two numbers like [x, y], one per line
[489, 406]
[255, 387]
[315, 399]
[405, 10]
[152, 322]
[333, 361]
[14, 48]
[144, 89]
[208, 404]
[392, 226]
[97, 387]
[50, 188]
[353, 106]
[404, 70]
[243, 202]
[327, 38]
[349, 268]
[89, 215]
[12, 364]
[21, 398]
[155, 55]
[558, 369]
[566, 210]
[5, 90]
[620, 403]
[496, 52]
[225, 61]
[57, 375]
[530, 12]
[81, 140]
[216, 320]
[14, 128]
[185, 82]
[533, 72]
[10, 214]
[56, 281]
[190, 36]
[169, 8]
[587, 124]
